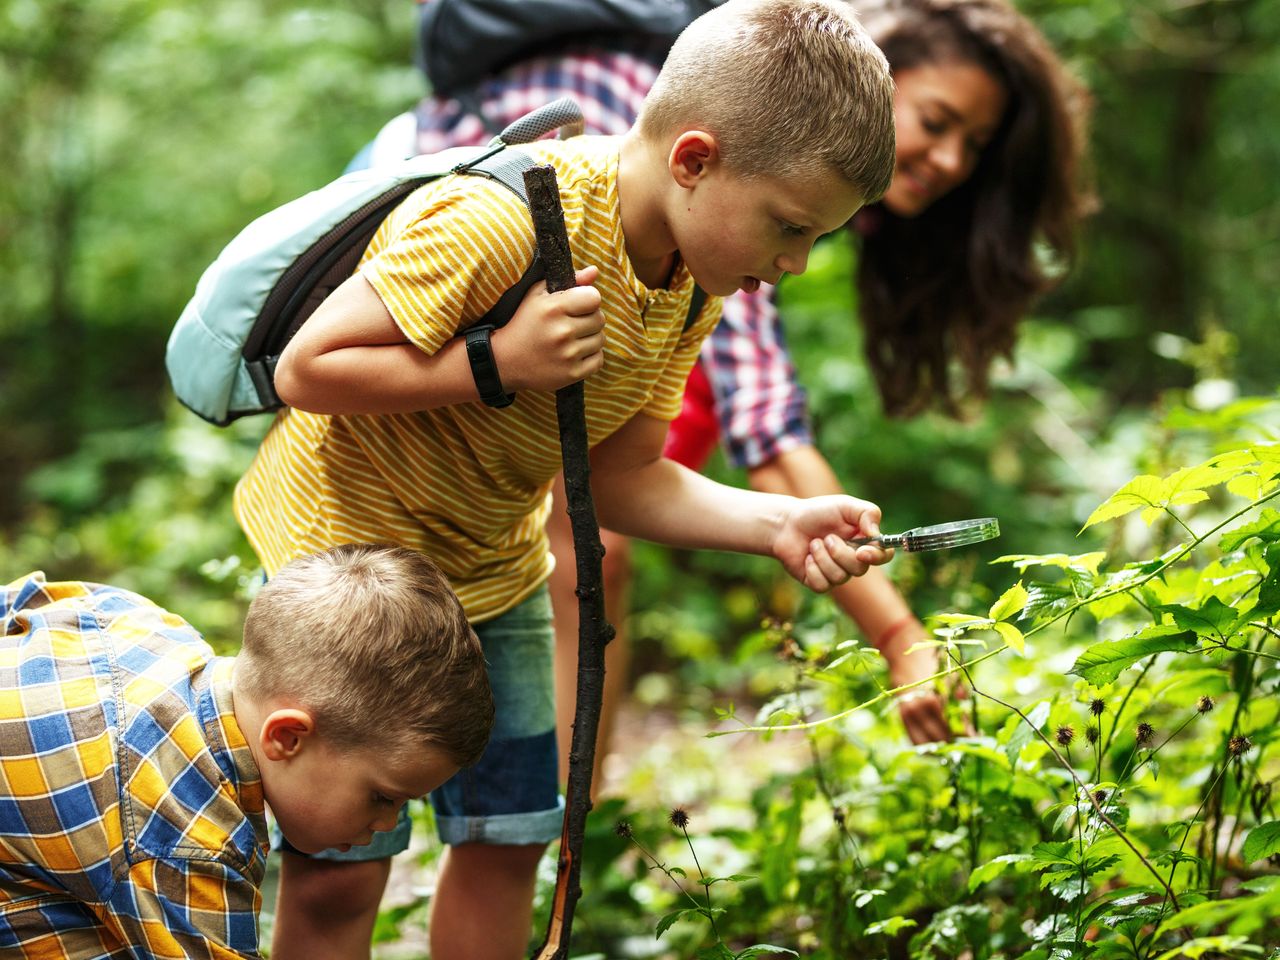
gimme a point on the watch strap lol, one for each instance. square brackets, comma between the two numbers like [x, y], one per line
[484, 368]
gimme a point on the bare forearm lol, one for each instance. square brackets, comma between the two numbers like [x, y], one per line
[667, 503]
[351, 358]
[379, 380]
[872, 601]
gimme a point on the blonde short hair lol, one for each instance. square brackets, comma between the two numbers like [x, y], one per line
[785, 86]
[373, 642]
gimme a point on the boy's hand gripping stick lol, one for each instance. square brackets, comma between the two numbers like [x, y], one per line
[594, 631]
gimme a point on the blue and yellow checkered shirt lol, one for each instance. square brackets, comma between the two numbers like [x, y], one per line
[131, 810]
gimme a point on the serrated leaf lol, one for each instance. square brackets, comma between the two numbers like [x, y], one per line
[1011, 602]
[1103, 662]
[1142, 491]
[1211, 617]
[665, 923]
[1262, 841]
[1012, 636]
[1266, 528]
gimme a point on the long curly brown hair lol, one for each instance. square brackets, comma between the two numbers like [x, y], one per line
[953, 282]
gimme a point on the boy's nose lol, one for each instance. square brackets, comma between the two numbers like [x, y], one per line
[793, 262]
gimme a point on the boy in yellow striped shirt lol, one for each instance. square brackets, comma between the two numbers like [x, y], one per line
[135, 766]
[770, 124]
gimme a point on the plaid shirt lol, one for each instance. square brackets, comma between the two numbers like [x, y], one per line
[131, 811]
[761, 408]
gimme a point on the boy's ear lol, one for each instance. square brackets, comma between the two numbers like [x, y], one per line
[285, 732]
[693, 154]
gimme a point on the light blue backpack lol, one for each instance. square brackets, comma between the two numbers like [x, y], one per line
[264, 285]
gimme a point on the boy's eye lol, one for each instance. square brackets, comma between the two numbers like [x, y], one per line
[791, 230]
[379, 798]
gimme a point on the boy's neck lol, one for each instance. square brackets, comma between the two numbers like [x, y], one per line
[642, 182]
[248, 716]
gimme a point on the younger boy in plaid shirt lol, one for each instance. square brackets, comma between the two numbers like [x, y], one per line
[135, 766]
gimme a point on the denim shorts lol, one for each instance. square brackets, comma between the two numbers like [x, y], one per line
[512, 796]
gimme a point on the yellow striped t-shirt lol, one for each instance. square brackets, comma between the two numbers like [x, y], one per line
[468, 484]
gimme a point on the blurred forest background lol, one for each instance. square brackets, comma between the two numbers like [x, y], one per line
[138, 136]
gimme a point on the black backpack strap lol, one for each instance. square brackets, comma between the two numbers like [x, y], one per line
[698, 301]
[507, 168]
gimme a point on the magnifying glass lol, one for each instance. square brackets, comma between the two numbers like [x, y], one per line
[939, 536]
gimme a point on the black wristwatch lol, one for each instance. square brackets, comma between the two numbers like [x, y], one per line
[485, 369]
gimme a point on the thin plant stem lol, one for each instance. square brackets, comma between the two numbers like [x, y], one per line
[1173, 869]
[1079, 783]
[706, 887]
[670, 876]
[1115, 723]
[1125, 586]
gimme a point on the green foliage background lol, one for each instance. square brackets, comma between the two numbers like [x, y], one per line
[137, 136]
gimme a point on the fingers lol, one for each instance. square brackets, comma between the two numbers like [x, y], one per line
[831, 562]
[923, 716]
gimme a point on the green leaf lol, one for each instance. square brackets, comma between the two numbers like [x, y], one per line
[1010, 603]
[758, 949]
[1213, 617]
[1262, 841]
[1143, 491]
[956, 619]
[1024, 733]
[1108, 607]
[890, 926]
[1266, 527]
[993, 868]
[1012, 636]
[1103, 662]
[665, 923]
[862, 897]
[1212, 946]
[717, 951]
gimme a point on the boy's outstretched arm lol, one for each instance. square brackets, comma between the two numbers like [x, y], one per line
[351, 357]
[640, 493]
[872, 601]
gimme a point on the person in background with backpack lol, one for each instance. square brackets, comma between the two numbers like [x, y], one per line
[399, 431]
[990, 137]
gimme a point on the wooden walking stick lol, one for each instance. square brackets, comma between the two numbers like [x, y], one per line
[594, 631]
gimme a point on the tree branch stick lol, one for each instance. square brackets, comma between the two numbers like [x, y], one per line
[594, 631]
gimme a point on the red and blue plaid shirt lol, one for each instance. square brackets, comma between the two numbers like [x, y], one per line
[761, 409]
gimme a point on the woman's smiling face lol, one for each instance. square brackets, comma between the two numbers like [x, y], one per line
[945, 115]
